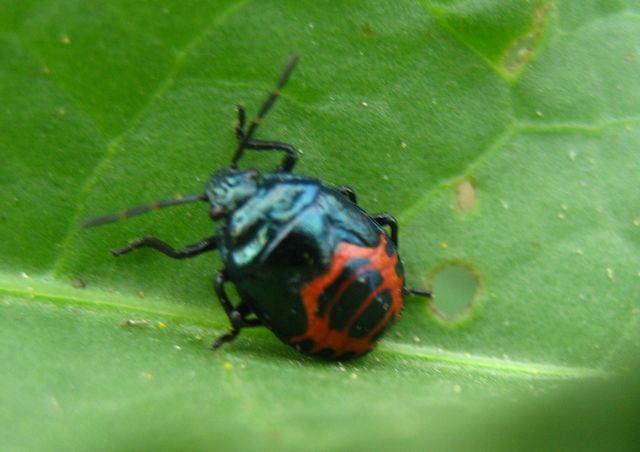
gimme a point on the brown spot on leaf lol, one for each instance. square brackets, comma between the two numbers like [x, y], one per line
[368, 31]
[466, 195]
[522, 49]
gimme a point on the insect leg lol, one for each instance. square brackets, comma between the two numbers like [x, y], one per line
[384, 219]
[348, 193]
[245, 309]
[291, 156]
[237, 316]
[289, 160]
[204, 245]
[419, 292]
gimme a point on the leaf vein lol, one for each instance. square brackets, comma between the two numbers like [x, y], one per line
[38, 290]
[113, 146]
[442, 21]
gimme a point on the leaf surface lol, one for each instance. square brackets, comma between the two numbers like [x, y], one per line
[530, 110]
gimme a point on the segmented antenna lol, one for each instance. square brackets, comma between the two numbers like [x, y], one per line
[266, 106]
[139, 210]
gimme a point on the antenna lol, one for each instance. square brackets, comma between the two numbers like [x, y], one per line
[266, 106]
[139, 210]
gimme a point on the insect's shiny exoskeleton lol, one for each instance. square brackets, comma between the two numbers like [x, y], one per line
[307, 262]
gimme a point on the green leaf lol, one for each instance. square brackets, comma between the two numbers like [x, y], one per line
[504, 138]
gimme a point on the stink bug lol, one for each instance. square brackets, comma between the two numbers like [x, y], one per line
[307, 262]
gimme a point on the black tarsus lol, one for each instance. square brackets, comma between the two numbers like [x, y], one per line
[237, 316]
[204, 245]
[245, 137]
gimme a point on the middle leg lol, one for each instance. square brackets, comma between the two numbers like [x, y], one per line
[237, 315]
[204, 245]
[385, 219]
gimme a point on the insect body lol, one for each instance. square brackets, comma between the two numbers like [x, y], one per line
[306, 260]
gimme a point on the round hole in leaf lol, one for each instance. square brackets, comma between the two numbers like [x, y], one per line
[454, 287]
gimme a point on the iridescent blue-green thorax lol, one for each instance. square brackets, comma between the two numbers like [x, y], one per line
[264, 212]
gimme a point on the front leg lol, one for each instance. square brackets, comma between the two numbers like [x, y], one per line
[237, 316]
[204, 245]
[291, 155]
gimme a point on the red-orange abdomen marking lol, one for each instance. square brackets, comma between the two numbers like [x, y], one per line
[320, 323]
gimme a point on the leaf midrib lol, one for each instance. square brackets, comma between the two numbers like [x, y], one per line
[41, 290]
